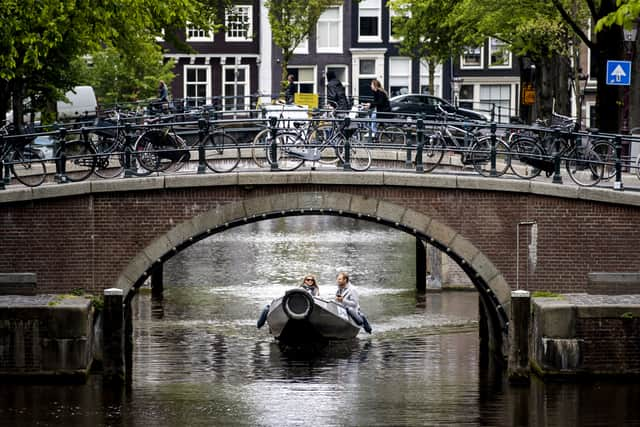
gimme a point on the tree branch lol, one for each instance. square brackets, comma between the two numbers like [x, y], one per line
[585, 39]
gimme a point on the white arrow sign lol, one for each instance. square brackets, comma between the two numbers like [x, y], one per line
[618, 73]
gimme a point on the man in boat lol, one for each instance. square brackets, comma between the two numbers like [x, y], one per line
[348, 297]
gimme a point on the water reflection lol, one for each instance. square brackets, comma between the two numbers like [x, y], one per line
[199, 359]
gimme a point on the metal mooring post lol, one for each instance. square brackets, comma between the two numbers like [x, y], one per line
[61, 162]
[617, 185]
[203, 128]
[518, 369]
[273, 149]
[557, 178]
[493, 171]
[419, 146]
[347, 145]
[113, 337]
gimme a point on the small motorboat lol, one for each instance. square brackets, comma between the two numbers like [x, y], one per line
[298, 318]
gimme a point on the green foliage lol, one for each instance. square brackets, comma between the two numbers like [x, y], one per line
[292, 21]
[545, 294]
[625, 14]
[125, 77]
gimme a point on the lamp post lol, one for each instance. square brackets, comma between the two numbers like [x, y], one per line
[630, 35]
[457, 85]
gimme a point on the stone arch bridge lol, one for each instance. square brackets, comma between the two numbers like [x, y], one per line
[102, 234]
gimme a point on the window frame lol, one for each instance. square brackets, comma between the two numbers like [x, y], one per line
[207, 83]
[246, 83]
[465, 66]
[319, 31]
[377, 12]
[506, 52]
[206, 38]
[248, 31]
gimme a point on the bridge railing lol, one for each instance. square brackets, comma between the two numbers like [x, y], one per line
[120, 144]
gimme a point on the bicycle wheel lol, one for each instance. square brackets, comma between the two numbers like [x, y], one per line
[432, 152]
[288, 145]
[156, 151]
[80, 160]
[222, 153]
[28, 167]
[110, 159]
[392, 135]
[323, 139]
[480, 157]
[584, 166]
[259, 148]
[359, 154]
[525, 155]
[607, 152]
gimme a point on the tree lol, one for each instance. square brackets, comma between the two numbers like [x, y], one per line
[40, 38]
[119, 77]
[427, 32]
[291, 22]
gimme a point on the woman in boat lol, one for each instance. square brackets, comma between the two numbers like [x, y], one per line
[309, 284]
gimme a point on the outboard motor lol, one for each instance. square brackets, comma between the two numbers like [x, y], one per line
[297, 304]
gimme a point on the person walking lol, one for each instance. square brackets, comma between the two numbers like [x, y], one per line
[380, 104]
[163, 92]
[290, 91]
[336, 94]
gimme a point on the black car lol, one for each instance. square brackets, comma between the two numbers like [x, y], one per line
[431, 107]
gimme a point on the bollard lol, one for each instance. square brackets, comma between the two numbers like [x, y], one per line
[557, 178]
[273, 149]
[347, 144]
[421, 266]
[493, 171]
[113, 337]
[61, 162]
[419, 146]
[617, 185]
[519, 370]
[203, 129]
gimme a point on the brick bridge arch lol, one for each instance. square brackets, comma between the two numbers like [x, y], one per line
[492, 287]
[100, 234]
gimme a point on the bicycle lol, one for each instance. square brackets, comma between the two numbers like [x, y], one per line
[584, 165]
[476, 149]
[377, 132]
[222, 153]
[19, 159]
[159, 148]
[293, 148]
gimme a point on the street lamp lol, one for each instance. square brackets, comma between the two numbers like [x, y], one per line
[457, 85]
[630, 34]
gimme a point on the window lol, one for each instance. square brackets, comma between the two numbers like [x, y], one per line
[369, 21]
[399, 76]
[397, 20]
[329, 31]
[303, 79]
[499, 55]
[471, 58]
[366, 73]
[238, 24]
[424, 79]
[195, 34]
[235, 87]
[498, 96]
[197, 85]
[302, 48]
[465, 97]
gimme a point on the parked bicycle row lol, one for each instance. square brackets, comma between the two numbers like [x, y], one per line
[113, 146]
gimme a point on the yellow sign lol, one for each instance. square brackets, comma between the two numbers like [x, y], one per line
[528, 94]
[308, 99]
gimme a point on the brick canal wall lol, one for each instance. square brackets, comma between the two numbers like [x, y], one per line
[586, 335]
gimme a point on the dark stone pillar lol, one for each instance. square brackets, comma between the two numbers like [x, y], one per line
[157, 287]
[519, 337]
[113, 337]
[421, 266]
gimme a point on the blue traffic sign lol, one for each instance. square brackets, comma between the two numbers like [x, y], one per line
[619, 73]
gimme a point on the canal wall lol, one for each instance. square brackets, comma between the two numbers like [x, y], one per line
[46, 336]
[581, 335]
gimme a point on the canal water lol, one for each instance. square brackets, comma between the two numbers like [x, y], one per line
[199, 359]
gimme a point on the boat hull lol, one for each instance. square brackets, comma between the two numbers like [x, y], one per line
[298, 317]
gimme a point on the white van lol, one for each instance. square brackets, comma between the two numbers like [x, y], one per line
[82, 104]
